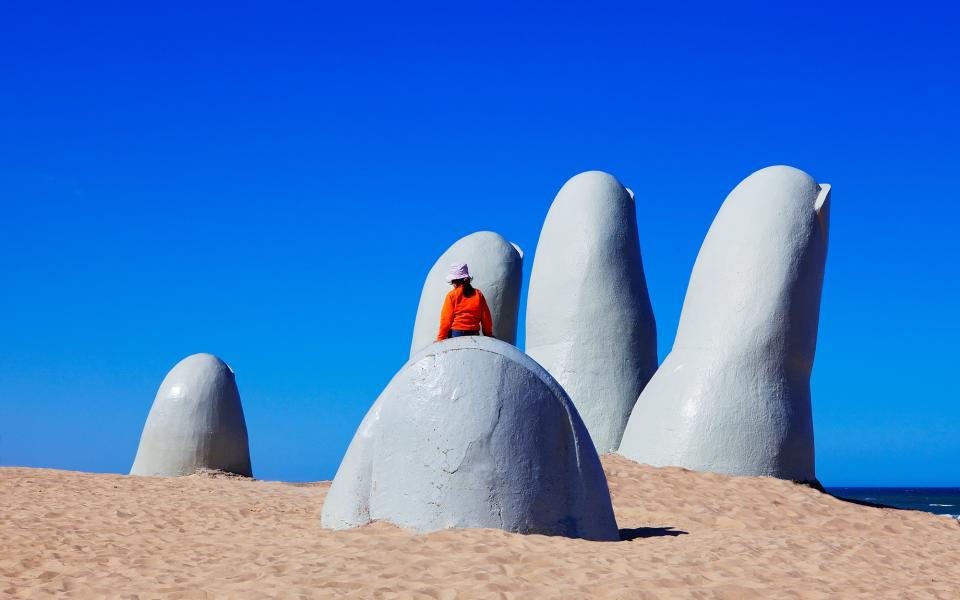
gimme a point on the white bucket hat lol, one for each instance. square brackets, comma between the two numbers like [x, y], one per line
[458, 271]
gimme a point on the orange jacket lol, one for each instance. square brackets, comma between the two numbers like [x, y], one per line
[466, 314]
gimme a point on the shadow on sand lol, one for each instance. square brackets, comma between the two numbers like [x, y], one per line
[647, 532]
[815, 484]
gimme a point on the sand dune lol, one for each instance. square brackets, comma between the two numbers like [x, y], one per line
[689, 535]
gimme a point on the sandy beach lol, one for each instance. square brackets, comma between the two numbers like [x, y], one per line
[686, 535]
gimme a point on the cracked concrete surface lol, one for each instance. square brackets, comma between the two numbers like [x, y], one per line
[473, 433]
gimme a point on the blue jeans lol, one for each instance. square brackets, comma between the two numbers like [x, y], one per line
[458, 332]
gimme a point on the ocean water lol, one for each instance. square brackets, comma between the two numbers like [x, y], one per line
[939, 501]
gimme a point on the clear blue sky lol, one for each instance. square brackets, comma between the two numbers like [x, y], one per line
[271, 184]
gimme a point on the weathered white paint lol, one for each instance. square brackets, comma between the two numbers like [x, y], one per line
[196, 422]
[497, 269]
[473, 433]
[733, 396]
[589, 320]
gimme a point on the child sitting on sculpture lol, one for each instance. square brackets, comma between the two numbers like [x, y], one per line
[465, 310]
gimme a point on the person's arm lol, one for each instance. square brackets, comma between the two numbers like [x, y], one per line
[446, 318]
[486, 319]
